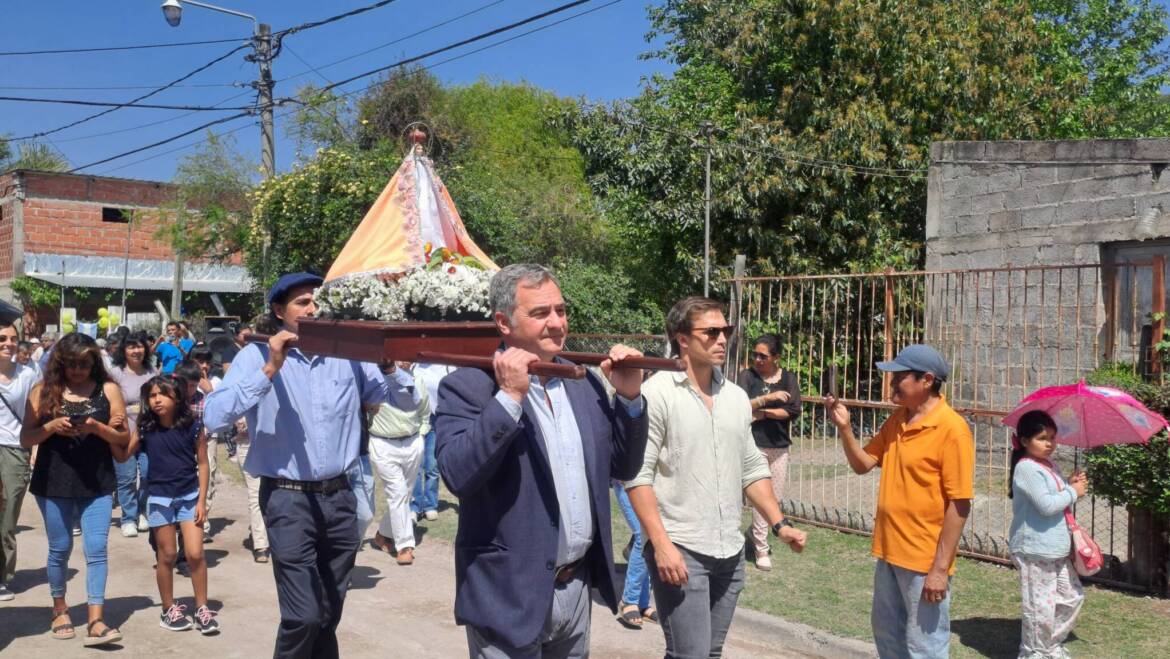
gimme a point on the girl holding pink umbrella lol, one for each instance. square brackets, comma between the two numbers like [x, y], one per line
[1047, 546]
[1051, 593]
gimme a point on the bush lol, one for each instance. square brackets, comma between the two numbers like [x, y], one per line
[1132, 475]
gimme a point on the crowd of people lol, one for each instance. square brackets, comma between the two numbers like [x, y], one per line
[533, 461]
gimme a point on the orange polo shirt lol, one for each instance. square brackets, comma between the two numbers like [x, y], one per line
[924, 465]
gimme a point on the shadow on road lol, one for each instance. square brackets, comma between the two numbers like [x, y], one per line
[363, 577]
[990, 637]
[22, 621]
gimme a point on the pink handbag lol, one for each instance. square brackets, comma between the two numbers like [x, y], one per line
[1087, 558]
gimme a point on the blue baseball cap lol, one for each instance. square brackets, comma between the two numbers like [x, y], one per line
[918, 357]
[286, 283]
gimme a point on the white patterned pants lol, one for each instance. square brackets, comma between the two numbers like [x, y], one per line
[1051, 598]
[397, 462]
[778, 463]
[256, 524]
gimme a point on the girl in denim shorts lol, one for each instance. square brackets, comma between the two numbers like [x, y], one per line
[176, 489]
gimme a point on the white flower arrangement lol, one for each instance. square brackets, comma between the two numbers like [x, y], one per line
[451, 290]
[437, 291]
[362, 298]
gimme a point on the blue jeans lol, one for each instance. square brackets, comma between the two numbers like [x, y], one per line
[132, 496]
[637, 589]
[426, 486]
[59, 513]
[361, 481]
[904, 626]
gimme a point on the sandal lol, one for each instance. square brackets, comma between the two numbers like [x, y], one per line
[649, 613]
[108, 635]
[62, 632]
[629, 616]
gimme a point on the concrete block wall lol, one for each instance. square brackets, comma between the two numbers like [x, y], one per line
[991, 204]
[1024, 205]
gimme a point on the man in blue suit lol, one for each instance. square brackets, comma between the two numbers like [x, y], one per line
[531, 460]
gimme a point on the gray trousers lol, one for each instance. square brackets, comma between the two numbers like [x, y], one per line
[695, 617]
[14, 474]
[565, 634]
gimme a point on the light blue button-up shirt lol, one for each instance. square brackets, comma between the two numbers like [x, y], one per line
[566, 457]
[306, 423]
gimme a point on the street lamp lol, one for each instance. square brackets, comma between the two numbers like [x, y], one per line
[263, 54]
[173, 11]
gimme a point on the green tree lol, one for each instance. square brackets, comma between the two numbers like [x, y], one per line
[323, 119]
[208, 217]
[32, 155]
[1114, 52]
[308, 214]
[824, 114]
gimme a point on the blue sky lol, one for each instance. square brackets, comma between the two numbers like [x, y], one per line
[595, 56]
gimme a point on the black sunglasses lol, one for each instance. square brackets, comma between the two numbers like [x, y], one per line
[760, 355]
[713, 333]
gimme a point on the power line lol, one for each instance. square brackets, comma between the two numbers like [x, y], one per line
[131, 103]
[116, 87]
[160, 142]
[395, 65]
[107, 104]
[391, 43]
[152, 123]
[332, 19]
[106, 49]
[478, 37]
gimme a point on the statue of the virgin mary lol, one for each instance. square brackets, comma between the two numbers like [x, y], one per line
[413, 212]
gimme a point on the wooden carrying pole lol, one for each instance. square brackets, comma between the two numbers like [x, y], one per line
[544, 369]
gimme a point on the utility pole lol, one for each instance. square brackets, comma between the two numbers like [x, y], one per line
[262, 44]
[263, 53]
[708, 129]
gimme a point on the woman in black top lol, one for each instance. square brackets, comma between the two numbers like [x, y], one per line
[775, 400]
[75, 415]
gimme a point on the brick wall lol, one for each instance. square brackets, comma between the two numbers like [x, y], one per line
[71, 227]
[112, 191]
[63, 215]
[7, 213]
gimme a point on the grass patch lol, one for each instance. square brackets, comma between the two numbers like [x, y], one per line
[830, 587]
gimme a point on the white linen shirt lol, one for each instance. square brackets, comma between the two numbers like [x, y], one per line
[699, 461]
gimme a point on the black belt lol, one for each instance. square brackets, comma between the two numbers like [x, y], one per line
[312, 487]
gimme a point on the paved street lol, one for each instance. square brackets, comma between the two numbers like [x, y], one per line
[391, 611]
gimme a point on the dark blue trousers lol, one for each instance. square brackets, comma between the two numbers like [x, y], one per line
[313, 540]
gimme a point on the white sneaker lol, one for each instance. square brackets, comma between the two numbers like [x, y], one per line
[764, 562]
[432, 515]
[143, 525]
[129, 530]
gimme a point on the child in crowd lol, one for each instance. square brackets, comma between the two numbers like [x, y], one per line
[1040, 542]
[176, 445]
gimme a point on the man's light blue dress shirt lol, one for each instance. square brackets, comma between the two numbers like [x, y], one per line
[306, 423]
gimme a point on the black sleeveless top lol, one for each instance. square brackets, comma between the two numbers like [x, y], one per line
[76, 467]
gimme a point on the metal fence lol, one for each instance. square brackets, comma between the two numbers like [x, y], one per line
[1005, 332]
[650, 344]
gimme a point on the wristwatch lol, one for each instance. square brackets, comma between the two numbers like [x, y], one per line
[781, 524]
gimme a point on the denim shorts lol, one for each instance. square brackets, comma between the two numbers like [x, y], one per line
[178, 510]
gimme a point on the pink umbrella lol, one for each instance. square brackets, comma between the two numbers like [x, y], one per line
[1091, 416]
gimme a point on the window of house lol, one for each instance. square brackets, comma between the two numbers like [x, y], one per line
[112, 214]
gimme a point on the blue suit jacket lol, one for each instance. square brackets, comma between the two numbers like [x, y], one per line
[507, 541]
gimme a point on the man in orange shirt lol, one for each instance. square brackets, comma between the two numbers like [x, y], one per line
[927, 456]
